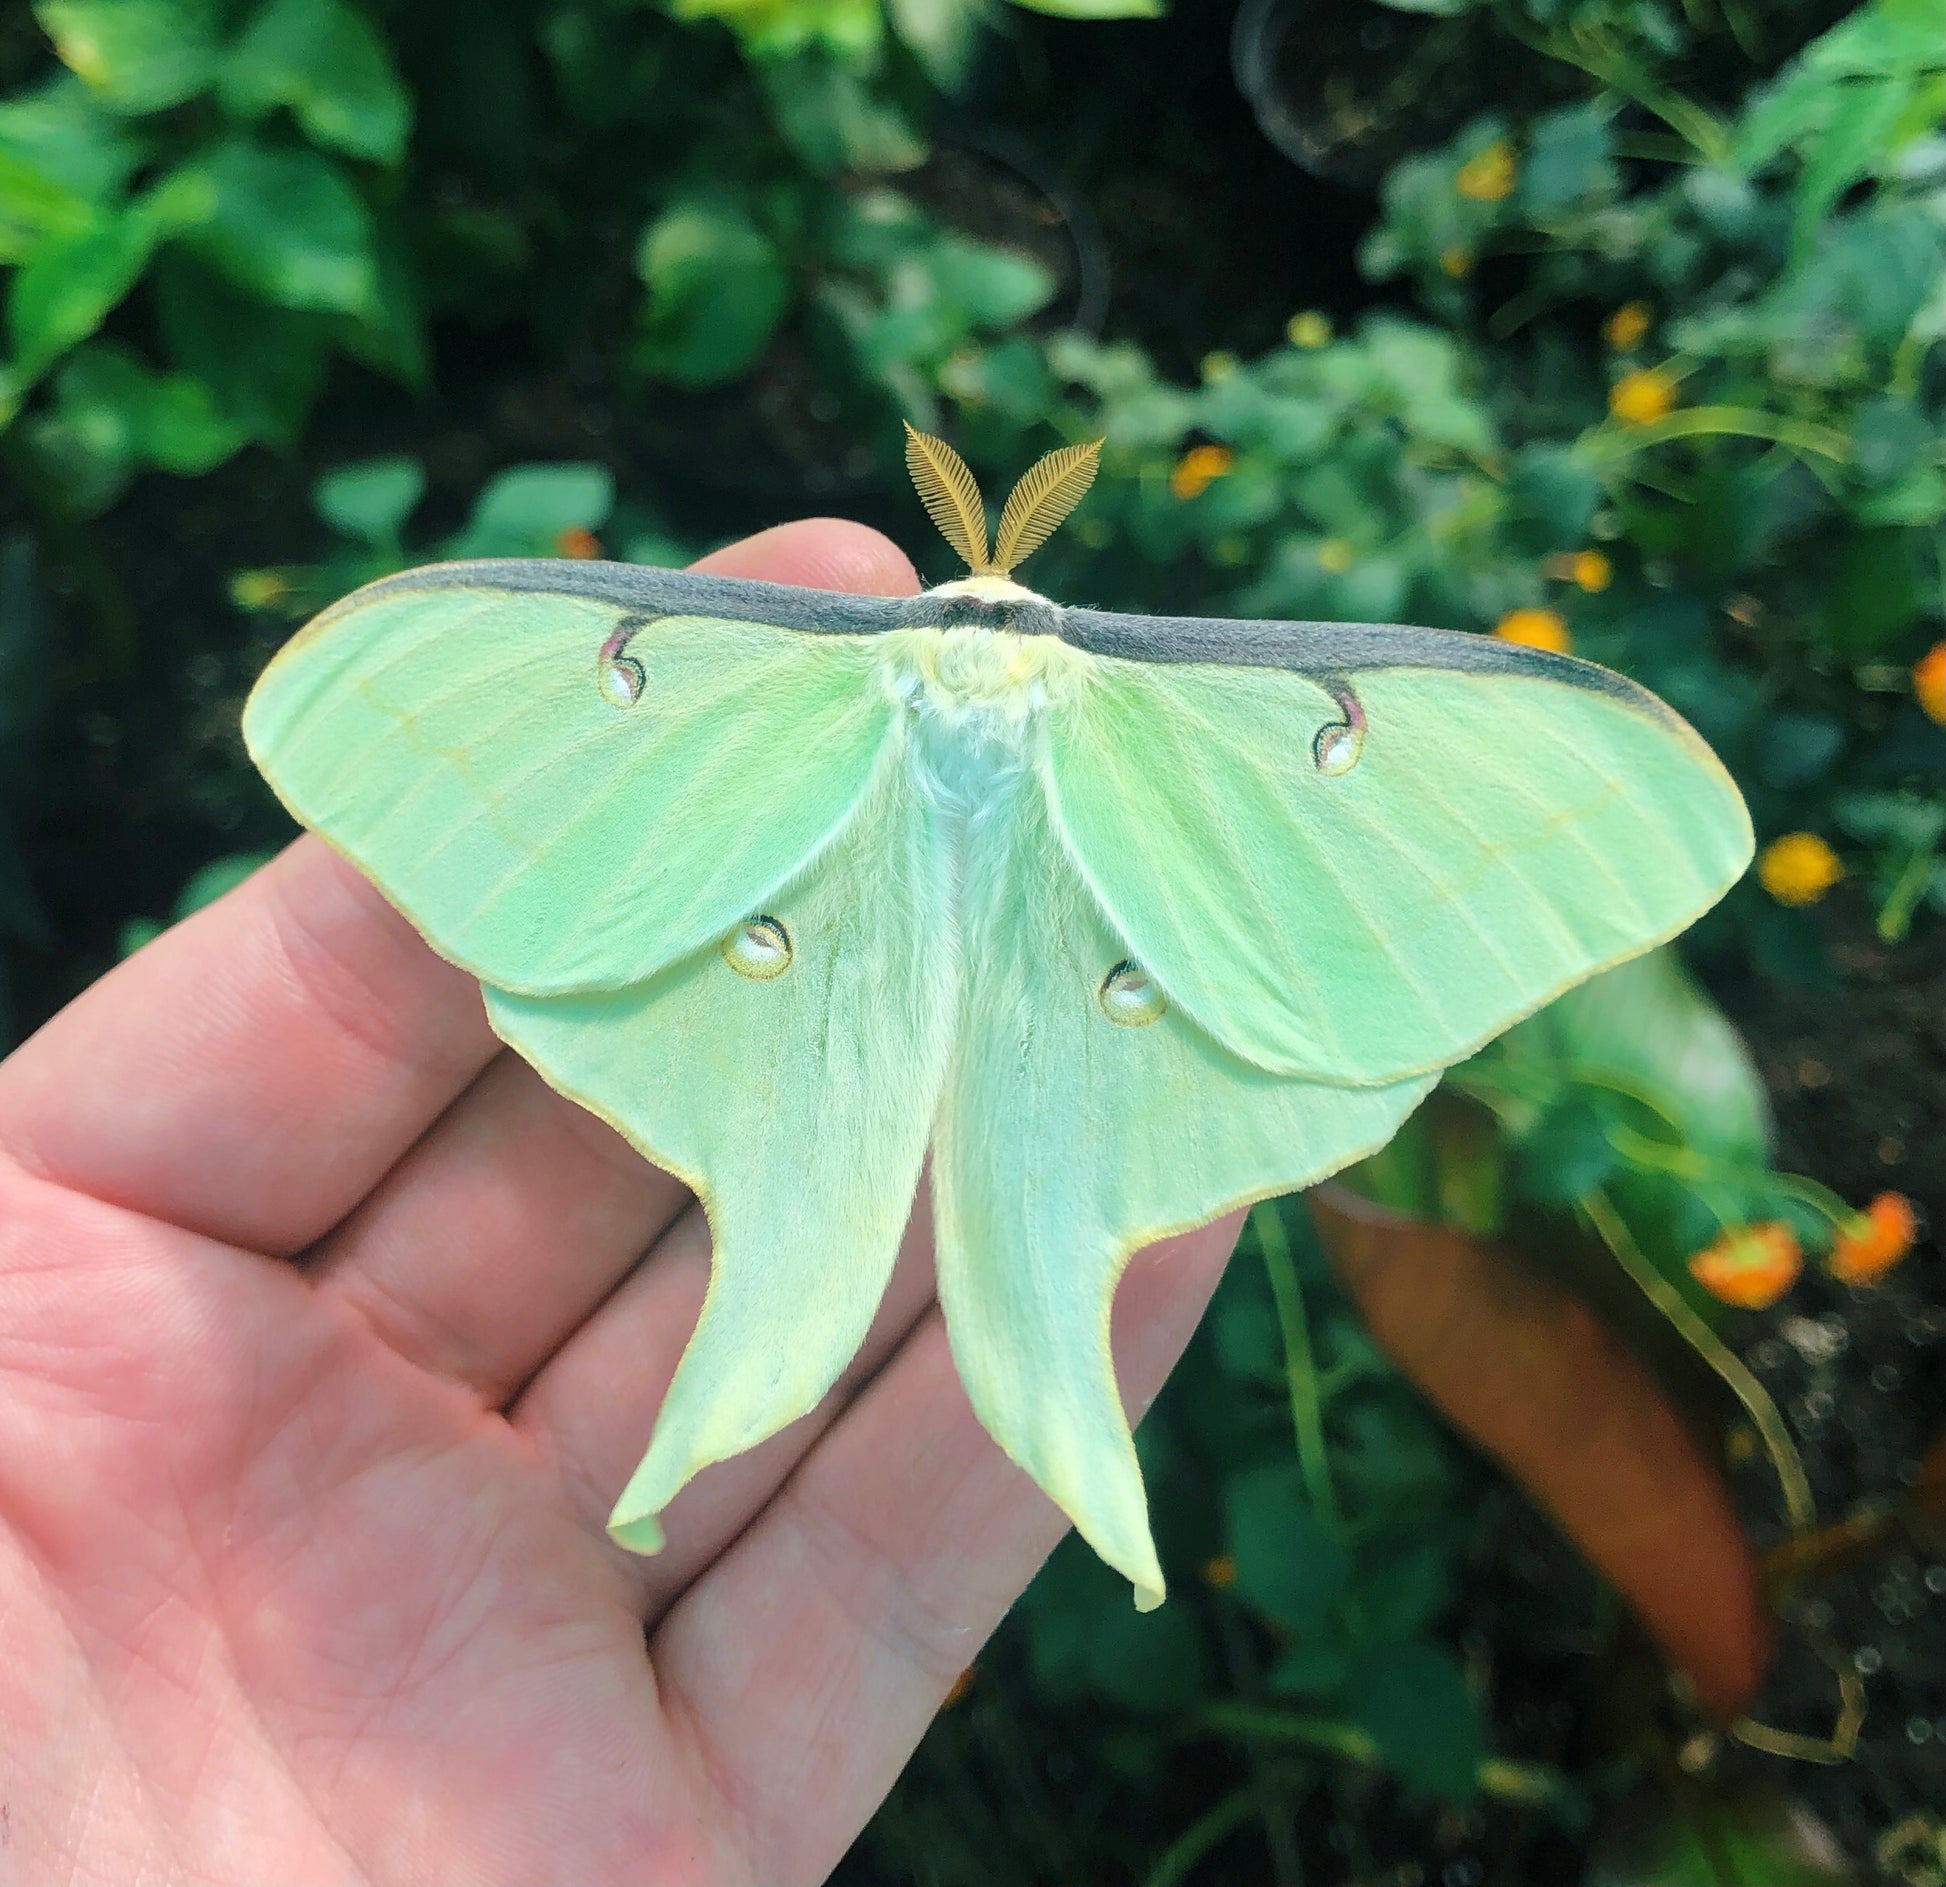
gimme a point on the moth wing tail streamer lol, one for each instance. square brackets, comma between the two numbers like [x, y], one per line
[1365, 870]
[1073, 1131]
[561, 791]
[790, 1078]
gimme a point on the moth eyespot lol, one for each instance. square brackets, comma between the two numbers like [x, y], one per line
[621, 680]
[1337, 747]
[1130, 995]
[1338, 744]
[759, 949]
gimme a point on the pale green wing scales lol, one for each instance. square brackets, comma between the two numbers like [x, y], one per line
[1366, 877]
[562, 794]
[790, 1077]
[1083, 1117]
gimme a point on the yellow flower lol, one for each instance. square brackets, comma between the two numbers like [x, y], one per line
[1643, 396]
[1309, 329]
[1536, 629]
[1489, 175]
[1220, 1572]
[1335, 555]
[1219, 366]
[1198, 469]
[1799, 868]
[1871, 1242]
[1929, 681]
[578, 541]
[1750, 1266]
[1627, 327]
[1456, 261]
[1591, 570]
[258, 589]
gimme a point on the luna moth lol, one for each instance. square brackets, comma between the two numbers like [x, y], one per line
[1122, 920]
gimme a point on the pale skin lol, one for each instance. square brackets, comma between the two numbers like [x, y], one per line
[328, 1334]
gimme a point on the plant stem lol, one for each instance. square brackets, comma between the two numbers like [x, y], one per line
[1300, 1364]
[1799, 1508]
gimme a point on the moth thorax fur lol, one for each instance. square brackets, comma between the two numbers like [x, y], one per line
[982, 683]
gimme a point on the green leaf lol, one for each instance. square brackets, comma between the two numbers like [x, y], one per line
[134, 55]
[834, 119]
[1852, 145]
[64, 290]
[287, 226]
[1096, 9]
[112, 415]
[322, 60]
[265, 366]
[1413, 1701]
[371, 500]
[523, 511]
[62, 135]
[1288, 1565]
[717, 290]
[940, 34]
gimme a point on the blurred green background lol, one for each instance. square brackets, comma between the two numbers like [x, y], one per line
[1610, 325]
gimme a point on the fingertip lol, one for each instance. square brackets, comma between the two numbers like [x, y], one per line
[819, 554]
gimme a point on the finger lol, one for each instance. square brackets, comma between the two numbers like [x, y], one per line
[590, 1412]
[253, 1070]
[819, 554]
[499, 1232]
[805, 1666]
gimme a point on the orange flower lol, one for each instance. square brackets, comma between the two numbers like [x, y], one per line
[1591, 570]
[1536, 628]
[1873, 1241]
[1750, 1266]
[1489, 175]
[1799, 868]
[1198, 469]
[960, 1686]
[1929, 681]
[1625, 329]
[1642, 397]
[1220, 1572]
[578, 541]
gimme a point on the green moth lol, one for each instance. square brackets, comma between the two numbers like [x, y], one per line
[1125, 920]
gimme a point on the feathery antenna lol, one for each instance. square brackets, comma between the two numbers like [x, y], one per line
[1038, 505]
[1035, 509]
[951, 497]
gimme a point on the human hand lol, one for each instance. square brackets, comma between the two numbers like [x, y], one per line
[328, 1333]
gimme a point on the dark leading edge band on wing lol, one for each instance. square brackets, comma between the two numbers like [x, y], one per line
[1322, 649]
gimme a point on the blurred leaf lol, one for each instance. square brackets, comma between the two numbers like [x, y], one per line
[523, 512]
[1717, 1840]
[112, 415]
[370, 501]
[134, 55]
[1569, 155]
[265, 366]
[1874, 591]
[1096, 9]
[68, 140]
[1536, 1380]
[323, 60]
[67, 285]
[833, 119]
[940, 34]
[717, 290]
[287, 226]
[1287, 1564]
[1413, 1701]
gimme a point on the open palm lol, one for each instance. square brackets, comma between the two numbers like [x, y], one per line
[327, 1335]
